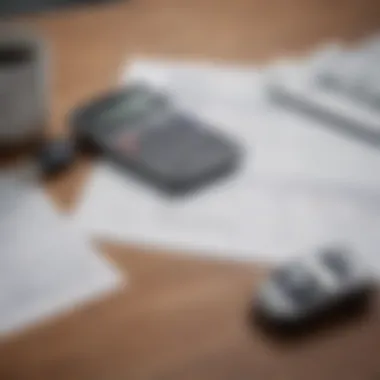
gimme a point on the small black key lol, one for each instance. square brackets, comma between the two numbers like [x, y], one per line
[56, 156]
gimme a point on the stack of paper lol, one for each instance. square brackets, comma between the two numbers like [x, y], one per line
[301, 186]
[46, 265]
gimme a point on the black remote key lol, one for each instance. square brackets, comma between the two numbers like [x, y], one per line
[313, 285]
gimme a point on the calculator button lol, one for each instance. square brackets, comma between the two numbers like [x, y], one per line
[126, 143]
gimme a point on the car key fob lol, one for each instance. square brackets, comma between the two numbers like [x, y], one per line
[309, 287]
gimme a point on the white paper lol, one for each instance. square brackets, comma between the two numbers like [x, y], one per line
[46, 266]
[243, 218]
[282, 143]
[300, 186]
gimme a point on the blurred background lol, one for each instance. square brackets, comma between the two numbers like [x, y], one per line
[103, 276]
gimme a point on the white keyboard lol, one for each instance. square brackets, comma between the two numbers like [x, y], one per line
[339, 87]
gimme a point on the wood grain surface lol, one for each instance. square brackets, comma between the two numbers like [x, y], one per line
[183, 318]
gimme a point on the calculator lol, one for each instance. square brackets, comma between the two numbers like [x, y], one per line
[146, 134]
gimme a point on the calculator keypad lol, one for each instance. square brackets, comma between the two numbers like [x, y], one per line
[180, 146]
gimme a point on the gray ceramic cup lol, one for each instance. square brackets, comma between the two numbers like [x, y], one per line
[23, 86]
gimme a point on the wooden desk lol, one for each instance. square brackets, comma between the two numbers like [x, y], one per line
[181, 318]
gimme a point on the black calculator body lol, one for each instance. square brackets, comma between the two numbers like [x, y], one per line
[146, 134]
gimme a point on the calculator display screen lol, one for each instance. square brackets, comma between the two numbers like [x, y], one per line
[134, 106]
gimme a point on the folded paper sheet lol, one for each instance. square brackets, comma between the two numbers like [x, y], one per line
[46, 266]
[299, 187]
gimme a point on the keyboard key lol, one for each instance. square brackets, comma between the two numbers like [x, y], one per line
[299, 284]
[338, 262]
